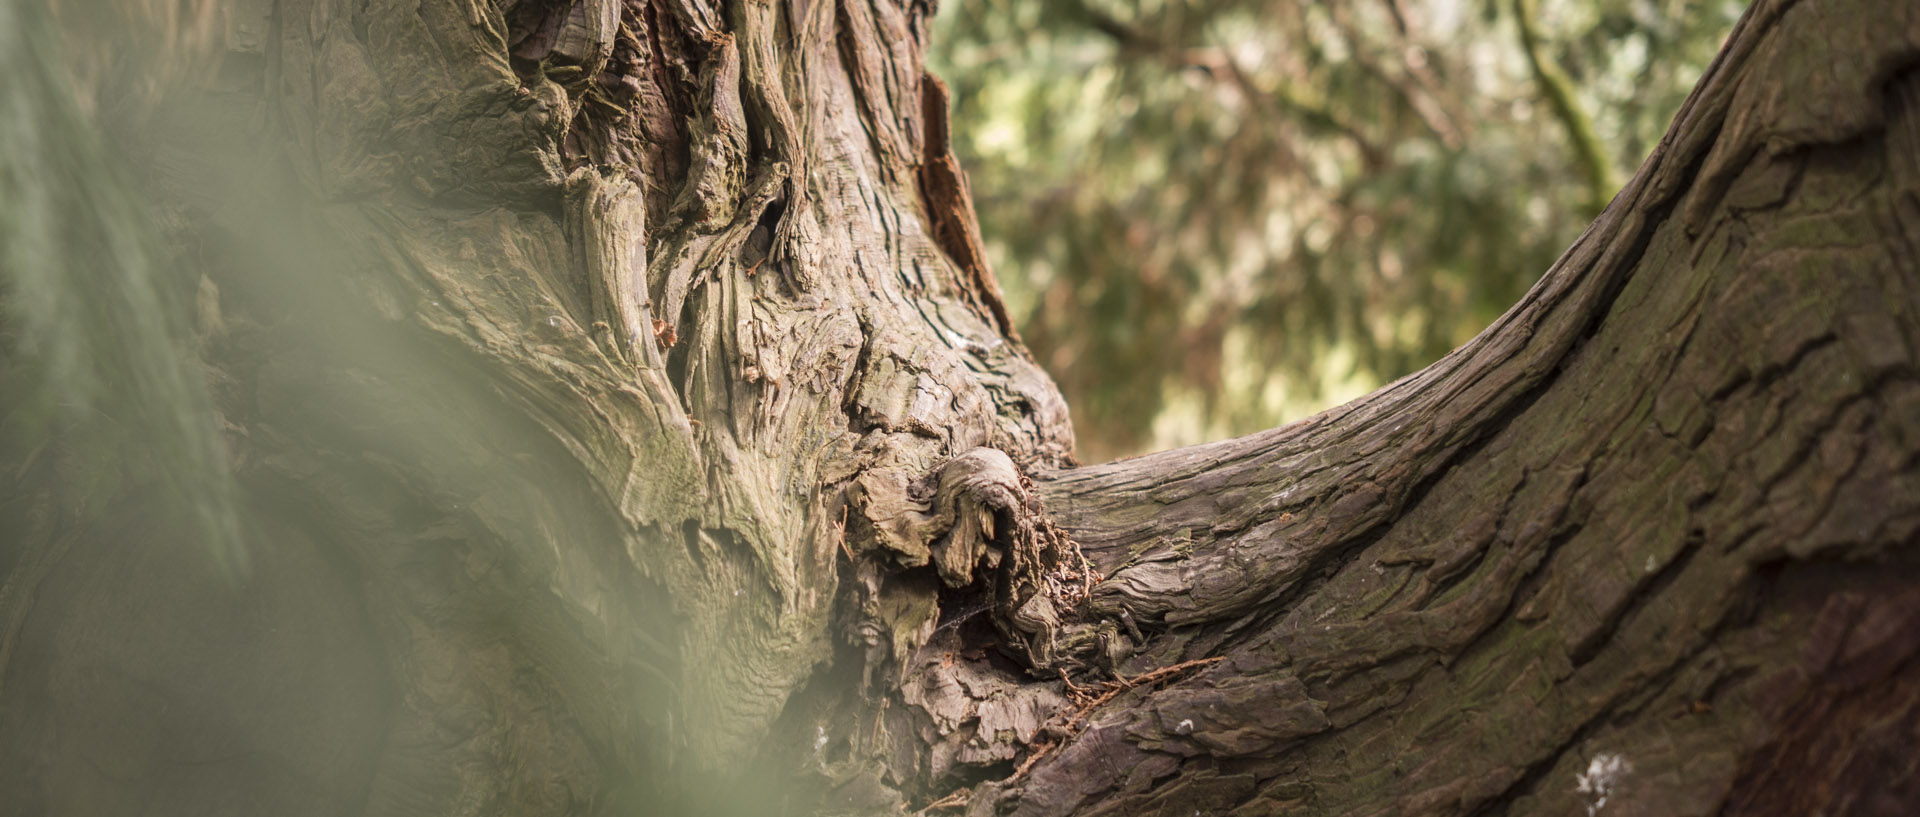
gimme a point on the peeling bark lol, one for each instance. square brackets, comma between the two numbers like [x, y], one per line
[626, 418]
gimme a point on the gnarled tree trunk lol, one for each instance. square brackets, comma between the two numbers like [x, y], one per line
[625, 422]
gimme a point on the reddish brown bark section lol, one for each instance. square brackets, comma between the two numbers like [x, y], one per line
[950, 204]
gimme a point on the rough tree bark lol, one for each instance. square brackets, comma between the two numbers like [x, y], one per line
[627, 422]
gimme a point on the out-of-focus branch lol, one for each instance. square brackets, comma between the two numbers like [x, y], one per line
[1558, 89]
[1218, 64]
[1423, 98]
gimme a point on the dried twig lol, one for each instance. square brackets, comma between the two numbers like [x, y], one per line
[1084, 705]
[958, 798]
[1039, 751]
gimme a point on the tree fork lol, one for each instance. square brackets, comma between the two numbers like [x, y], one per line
[623, 412]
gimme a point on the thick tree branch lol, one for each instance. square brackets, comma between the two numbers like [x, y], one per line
[1574, 585]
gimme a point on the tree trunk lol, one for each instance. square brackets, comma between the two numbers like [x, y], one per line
[625, 421]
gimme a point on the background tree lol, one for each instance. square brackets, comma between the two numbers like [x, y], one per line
[620, 418]
[1212, 218]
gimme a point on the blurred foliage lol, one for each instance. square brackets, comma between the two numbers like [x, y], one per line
[98, 378]
[1214, 217]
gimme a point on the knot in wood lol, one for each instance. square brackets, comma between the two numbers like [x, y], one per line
[969, 518]
[977, 497]
[951, 517]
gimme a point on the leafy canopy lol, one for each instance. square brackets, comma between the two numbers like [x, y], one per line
[1214, 217]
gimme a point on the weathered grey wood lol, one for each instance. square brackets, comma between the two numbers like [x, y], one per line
[627, 422]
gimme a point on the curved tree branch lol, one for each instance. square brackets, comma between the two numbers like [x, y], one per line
[1589, 156]
[1503, 579]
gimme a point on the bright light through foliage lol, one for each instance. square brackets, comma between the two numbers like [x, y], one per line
[1211, 218]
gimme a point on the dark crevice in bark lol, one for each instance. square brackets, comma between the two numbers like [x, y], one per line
[1536, 772]
[1585, 649]
[1755, 588]
[1859, 681]
[679, 350]
[690, 535]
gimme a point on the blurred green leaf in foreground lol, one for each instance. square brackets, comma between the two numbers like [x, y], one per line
[1216, 217]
